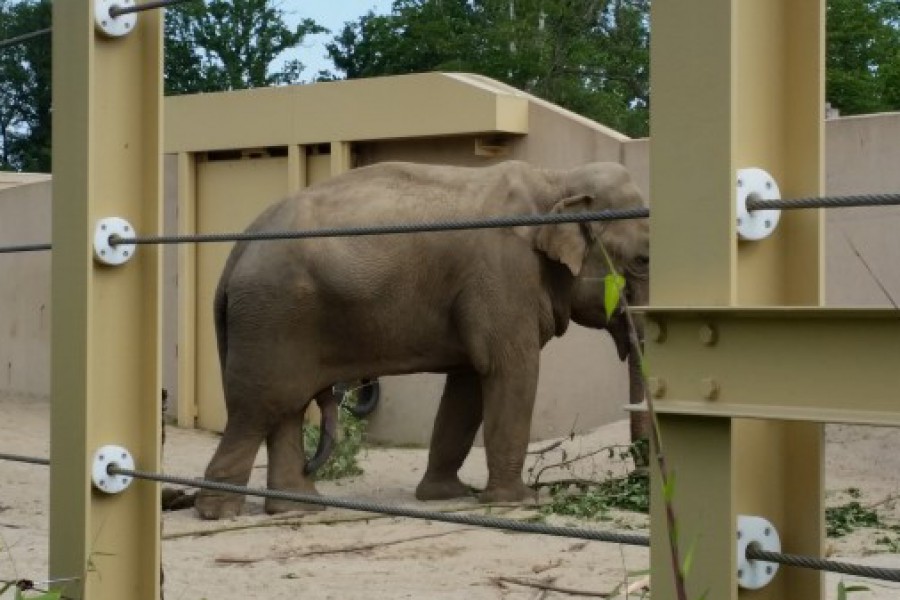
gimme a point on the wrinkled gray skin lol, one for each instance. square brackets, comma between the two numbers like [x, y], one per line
[294, 317]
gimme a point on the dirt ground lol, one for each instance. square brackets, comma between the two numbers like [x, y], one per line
[340, 554]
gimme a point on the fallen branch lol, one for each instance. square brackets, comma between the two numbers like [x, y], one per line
[298, 521]
[540, 585]
[374, 545]
[559, 465]
[237, 560]
[244, 560]
[548, 448]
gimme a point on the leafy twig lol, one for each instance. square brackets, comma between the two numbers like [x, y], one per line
[537, 478]
[655, 438]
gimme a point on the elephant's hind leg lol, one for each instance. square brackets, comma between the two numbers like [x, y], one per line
[455, 426]
[286, 461]
[232, 464]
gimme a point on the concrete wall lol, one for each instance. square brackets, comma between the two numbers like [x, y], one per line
[10, 180]
[25, 292]
[863, 244]
[863, 156]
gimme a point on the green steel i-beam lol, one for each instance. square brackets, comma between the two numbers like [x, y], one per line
[735, 84]
[105, 344]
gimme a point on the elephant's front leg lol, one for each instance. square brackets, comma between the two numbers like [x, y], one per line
[457, 422]
[287, 458]
[509, 394]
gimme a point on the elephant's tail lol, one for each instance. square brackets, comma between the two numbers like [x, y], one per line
[220, 305]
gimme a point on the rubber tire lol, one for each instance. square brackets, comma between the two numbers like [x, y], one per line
[369, 396]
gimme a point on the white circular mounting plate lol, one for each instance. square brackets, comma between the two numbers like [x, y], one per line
[105, 252]
[755, 574]
[113, 26]
[759, 184]
[103, 458]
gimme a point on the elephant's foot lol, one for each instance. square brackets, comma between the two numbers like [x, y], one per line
[275, 506]
[176, 499]
[441, 488]
[212, 505]
[509, 492]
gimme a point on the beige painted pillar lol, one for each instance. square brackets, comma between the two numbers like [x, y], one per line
[297, 176]
[341, 157]
[187, 292]
[106, 341]
[736, 84]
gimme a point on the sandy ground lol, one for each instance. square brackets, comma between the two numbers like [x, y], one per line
[336, 554]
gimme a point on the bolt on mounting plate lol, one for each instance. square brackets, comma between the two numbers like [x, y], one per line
[758, 184]
[104, 458]
[755, 574]
[104, 251]
[109, 25]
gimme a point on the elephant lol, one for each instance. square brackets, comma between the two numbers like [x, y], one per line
[293, 317]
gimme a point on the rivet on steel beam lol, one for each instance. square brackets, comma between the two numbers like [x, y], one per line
[657, 386]
[655, 331]
[709, 388]
[709, 334]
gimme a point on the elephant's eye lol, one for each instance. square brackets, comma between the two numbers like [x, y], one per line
[642, 260]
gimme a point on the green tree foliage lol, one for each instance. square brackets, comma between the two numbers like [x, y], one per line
[587, 55]
[592, 56]
[223, 45]
[25, 87]
[864, 55]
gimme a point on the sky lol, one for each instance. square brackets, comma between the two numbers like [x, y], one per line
[331, 14]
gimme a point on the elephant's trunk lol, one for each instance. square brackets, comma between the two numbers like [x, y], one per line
[640, 420]
[328, 406]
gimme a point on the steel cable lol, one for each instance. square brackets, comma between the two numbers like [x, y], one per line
[25, 248]
[824, 202]
[821, 564]
[396, 228]
[117, 10]
[25, 459]
[24, 37]
[753, 551]
[396, 511]
[497, 222]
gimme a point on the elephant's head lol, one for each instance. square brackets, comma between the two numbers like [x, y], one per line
[595, 187]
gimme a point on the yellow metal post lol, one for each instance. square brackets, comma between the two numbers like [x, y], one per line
[736, 84]
[106, 341]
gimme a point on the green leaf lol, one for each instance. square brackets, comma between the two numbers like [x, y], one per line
[613, 284]
[669, 488]
[845, 590]
[689, 558]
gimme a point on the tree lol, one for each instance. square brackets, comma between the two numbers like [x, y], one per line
[863, 55]
[221, 45]
[589, 56]
[25, 76]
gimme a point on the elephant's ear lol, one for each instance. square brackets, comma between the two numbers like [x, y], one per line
[565, 243]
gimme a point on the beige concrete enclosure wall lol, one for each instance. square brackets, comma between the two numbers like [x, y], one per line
[221, 171]
[863, 244]
[25, 292]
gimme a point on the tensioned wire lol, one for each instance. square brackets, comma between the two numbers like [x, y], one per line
[485, 521]
[497, 222]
